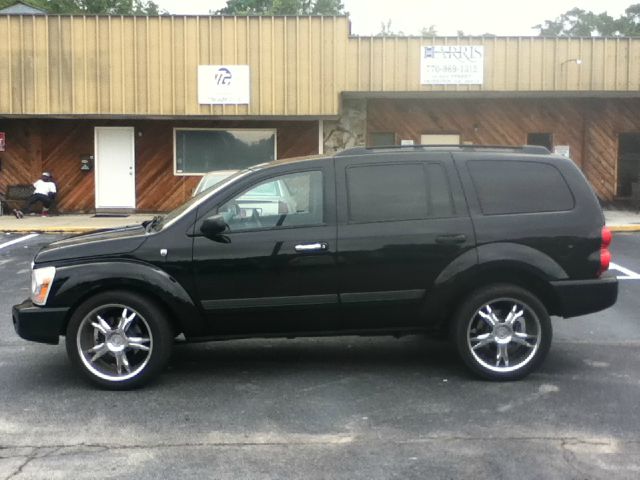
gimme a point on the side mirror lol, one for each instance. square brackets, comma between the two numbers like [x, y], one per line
[213, 226]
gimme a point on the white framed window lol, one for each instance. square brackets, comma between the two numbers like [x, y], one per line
[440, 139]
[197, 151]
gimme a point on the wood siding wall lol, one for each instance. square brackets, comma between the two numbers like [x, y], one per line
[589, 127]
[512, 64]
[56, 146]
[112, 65]
[147, 66]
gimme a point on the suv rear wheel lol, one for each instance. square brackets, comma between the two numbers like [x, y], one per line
[119, 340]
[502, 332]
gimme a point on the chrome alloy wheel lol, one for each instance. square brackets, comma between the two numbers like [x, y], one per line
[114, 342]
[504, 335]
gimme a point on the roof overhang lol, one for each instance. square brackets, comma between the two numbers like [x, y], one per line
[493, 94]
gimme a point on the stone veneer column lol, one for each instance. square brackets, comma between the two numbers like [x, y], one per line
[350, 130]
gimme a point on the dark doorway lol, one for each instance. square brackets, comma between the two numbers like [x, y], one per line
[628, 163]
[541, 139]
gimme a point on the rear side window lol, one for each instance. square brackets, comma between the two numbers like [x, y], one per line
[512, 186]
[386, 193]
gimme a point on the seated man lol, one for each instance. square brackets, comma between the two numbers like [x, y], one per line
[45, 192]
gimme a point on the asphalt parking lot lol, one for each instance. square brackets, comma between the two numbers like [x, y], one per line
[345, 408]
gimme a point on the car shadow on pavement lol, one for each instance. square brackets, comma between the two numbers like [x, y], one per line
[373, 355]
[330, 357]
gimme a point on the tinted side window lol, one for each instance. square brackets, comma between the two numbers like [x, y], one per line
[383, 193]
[512, 186]
[379, 193]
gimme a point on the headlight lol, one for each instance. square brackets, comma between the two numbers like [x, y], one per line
[41, 280]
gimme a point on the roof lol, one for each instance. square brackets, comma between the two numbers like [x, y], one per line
[22, 8]
[528, 149]
[285, 161]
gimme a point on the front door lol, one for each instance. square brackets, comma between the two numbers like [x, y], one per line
[115, 168]
[273, 271]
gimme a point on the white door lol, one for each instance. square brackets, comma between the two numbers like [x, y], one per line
[115, 167]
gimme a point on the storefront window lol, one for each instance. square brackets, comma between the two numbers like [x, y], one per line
[198, 151]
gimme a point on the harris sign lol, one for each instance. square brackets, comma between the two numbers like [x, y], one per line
[452, 65]
[223, 84]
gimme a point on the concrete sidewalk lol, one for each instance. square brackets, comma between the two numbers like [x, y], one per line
[617, 221]
[67, 223]
[622, 220]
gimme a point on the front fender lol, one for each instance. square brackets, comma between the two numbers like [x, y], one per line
[74, 283]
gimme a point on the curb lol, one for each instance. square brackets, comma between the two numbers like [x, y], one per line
[52, 230]
[624, 228]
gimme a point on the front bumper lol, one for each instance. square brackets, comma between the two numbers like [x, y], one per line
[39, 324]
[580, 297]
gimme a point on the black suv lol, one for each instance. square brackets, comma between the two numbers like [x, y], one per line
[480, 243]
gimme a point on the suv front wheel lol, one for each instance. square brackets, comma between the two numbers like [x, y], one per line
[119, 340]
[502, 332]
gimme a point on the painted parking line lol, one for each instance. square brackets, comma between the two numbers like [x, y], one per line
[17, 240]
[628, 274]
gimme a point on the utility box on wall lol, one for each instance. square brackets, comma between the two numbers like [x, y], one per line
[86, 163]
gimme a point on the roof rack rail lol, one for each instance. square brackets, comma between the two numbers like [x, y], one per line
[532, 149]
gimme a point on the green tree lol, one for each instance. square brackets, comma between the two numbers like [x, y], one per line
[429, 31]
[386, 30]
[282, 7]
[582, 23]
[629, 24]
[93, 7]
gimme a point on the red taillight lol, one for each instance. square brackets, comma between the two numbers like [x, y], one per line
[605, 254]
[606, 237]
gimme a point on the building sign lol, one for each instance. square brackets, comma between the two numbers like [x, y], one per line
[2, 140]
[223, 84]
[452, 65]
[564, 150]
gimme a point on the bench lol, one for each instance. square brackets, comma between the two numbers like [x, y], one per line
[16, 197]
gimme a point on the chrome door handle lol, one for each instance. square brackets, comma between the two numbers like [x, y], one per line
[451, 239]
[311, 247]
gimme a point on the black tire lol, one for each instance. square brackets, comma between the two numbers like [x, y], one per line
[503, 342]
[147, 325]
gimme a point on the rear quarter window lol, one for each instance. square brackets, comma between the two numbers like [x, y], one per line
[512, 186]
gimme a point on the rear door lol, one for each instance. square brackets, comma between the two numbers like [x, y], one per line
[402, 220]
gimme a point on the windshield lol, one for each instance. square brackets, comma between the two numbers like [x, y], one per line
[195, 200]
[212, 179]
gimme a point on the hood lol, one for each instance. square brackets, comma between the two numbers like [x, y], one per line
[116, 241]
